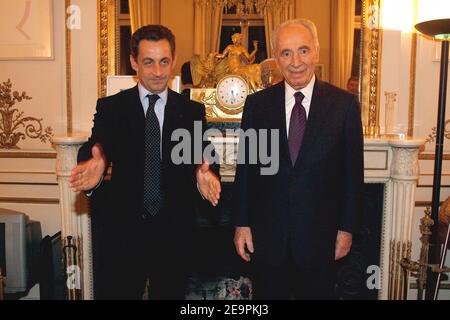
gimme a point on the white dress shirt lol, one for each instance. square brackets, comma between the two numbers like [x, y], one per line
[290, 99]
[160, 105]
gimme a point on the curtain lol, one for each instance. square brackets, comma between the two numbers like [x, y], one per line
[207, 25]
[342, 34]
[144, 12]
[274, 17]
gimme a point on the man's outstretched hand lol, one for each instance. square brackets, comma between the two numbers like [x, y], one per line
[208, 183]
[343, 244]
[87, 174]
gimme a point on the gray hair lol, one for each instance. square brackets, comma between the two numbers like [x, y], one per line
[308, 24]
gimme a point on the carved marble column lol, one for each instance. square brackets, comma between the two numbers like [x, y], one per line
[402, 187]
[75, 221]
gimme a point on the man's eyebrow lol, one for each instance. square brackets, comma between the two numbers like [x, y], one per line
[147, 59]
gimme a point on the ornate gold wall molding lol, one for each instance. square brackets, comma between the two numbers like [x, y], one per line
[28, 200]
[14, 125]
[27, 155]
[431, 156]
[412, 84]
[68, 37]
[108, 46]
[432, 136]
[371, 62]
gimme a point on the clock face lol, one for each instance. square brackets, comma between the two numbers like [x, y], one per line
[232, 92]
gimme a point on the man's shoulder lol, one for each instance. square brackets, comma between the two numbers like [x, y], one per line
[184, 101]
[268, 92]
[329, 89]
[116, 98]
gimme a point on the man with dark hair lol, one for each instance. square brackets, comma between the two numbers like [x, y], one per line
[294, 224]
[147, 229]
[353, 85]
[186, 79]
[152, 32]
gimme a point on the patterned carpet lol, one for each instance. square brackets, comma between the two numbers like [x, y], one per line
[219, 288]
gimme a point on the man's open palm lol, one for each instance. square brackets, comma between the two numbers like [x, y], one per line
[87, 174]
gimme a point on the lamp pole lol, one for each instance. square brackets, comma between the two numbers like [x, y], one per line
[432, 282]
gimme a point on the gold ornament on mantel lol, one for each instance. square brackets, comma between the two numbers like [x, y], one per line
[13, 125]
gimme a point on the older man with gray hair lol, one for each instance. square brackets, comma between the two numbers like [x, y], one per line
[294, 224]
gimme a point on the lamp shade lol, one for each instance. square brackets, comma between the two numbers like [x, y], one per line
[433, 18]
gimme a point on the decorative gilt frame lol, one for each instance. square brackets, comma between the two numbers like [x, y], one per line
[370, 66]
[370, 57]
[108, 44]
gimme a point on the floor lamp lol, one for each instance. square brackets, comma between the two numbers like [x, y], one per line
[439, 29]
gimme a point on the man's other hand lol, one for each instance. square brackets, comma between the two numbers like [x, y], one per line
[343, 244]
[87, 174]
[208, 183]
[243, 240]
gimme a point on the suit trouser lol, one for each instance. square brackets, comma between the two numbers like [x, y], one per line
[149, 255]
[287, 281]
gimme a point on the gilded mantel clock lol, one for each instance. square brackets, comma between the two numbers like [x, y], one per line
[225, 102]
[231, 92]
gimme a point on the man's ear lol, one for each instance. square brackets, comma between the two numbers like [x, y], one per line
[134, 64]
[275, 56]
[317, 54]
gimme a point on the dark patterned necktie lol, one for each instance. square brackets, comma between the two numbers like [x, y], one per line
[153, 196]
[297, 126]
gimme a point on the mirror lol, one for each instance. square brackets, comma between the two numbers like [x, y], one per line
[108, 64]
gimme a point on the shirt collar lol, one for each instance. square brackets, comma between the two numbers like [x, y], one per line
[307, 91]
[144, 92]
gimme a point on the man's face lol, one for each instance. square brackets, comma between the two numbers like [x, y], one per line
[154, 64]
[296, 55]
[352, 86]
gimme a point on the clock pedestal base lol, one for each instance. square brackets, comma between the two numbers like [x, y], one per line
[214, 111]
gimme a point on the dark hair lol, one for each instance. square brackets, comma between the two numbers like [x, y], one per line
[353, 78]
[186, 77]
[152, 32]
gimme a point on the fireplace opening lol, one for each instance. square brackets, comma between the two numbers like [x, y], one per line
[357, 276]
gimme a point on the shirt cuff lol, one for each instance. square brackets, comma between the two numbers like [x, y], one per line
[90, 192]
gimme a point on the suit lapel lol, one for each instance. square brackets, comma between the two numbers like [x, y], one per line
[173, 115]
[136, 114]
[315, 117]
[279, 112]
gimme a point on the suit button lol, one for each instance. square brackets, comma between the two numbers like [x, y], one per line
[145, 216]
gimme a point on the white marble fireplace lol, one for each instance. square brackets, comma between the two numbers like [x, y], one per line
[391, 161]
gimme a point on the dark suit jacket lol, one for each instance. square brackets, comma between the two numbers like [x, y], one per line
[119, 128]
[305, 205]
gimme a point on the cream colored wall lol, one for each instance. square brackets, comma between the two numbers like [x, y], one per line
[29, 185]
[395, 60]
[178, 15]
[318, 11]
[42, 80]
[396, 77]
[84, 66]
[28, 182]
[425, 118]
[427, 88]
